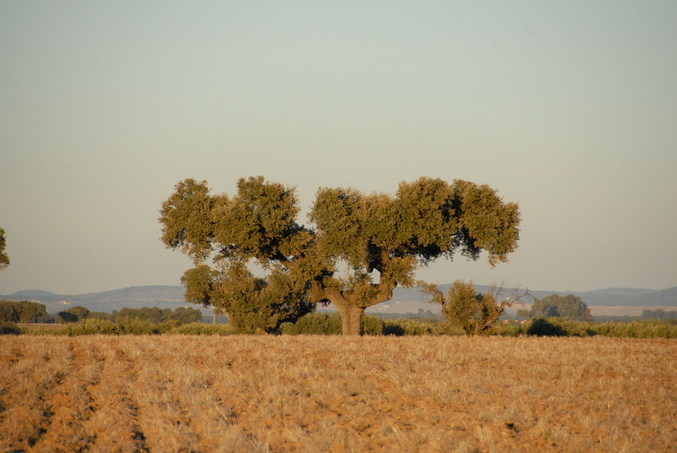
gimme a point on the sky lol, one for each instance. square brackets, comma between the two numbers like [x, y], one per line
[567, 108]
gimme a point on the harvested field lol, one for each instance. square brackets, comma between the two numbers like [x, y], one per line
[261, 393]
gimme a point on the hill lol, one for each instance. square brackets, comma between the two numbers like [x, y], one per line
[405, 300]
[108, 301]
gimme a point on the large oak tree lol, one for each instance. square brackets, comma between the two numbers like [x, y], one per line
[359, 248]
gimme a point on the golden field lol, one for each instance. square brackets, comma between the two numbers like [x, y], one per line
[177, 393]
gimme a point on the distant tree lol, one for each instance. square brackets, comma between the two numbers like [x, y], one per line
[33, 312]
[661, 315]
[568, 307]
[24, 311]
[186, 315]
[472, 311]
[157, 315]
[4, 259]
[362, 247]
[100, 315]
[73, 314]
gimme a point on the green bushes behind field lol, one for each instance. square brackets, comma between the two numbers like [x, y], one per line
[565, 328]
[330, 324]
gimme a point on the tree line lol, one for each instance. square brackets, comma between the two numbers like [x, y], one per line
[34, 312]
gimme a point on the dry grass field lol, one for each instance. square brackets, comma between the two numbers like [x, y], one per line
[335, 394]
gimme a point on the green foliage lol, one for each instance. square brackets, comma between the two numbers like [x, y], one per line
[100, 315]
[73, 314]
[91, 327]
[637, 329]
[544, 328]
[137, 326]
[330, 324]
[314, 324]
[4, 259]
[155, 315]
[197, 328]
[568, 307]
[9, 328]
[473, 312]
[258, 224]
[660, 315]
[372, 325]
[569, 328]
[427, 219]
[507, 329]
[24, 312]
[411, 327]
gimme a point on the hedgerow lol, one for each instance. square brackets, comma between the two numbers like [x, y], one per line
[330, 324]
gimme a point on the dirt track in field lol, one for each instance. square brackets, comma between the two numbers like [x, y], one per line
[210, 394]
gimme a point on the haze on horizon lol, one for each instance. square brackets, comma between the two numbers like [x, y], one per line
[567, 108]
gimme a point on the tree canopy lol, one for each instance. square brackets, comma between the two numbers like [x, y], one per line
[569, 307]
[23, 311]
[359, 248]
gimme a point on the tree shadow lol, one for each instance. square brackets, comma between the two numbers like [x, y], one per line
[543, 328]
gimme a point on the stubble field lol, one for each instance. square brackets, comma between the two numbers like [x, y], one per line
[275, 394]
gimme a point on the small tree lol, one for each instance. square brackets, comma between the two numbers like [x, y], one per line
[472, 311]
[568, 307]
[4, 259]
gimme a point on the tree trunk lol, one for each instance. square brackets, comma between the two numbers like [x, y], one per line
[351, 317]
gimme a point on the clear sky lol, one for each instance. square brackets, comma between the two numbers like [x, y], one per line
[568, 108]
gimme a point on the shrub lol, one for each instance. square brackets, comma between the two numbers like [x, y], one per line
[198, 328]
[330, 324]
[541, 327]
[400, 327]
[314, 324]
[372, 325]
[9, 328]
[637, 329]
[137, 326]
[92, 327]
[507, 329]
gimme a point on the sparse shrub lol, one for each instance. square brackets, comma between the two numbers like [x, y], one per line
[9, 328]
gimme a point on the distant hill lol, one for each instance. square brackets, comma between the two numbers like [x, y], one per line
[628, 297]
[405, 300]
[108, 301]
